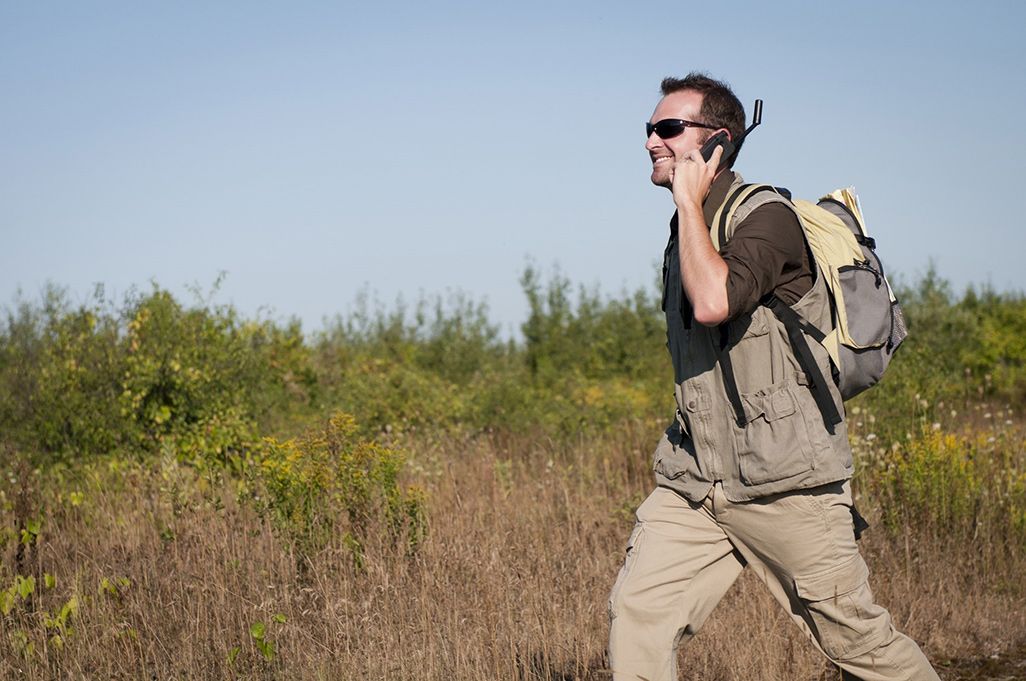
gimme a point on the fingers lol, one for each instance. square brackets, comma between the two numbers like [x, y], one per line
[695, 156]
[717, 154]
[691, 176]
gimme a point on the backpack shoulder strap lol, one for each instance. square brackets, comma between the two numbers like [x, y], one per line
[739, 203]
[797, 328]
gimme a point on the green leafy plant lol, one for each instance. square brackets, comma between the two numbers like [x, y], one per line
[959, 485]
[258, 632]
[326, 477]
[30, 533]
[59, 622]
[21, 589]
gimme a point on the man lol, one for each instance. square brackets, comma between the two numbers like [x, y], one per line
[750, 472]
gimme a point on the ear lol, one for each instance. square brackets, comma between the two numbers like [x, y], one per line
[729, 136]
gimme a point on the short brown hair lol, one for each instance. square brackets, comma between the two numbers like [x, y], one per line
[720, 106]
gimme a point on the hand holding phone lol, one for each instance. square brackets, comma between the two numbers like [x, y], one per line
[692, 177]
[719, 139]
[730, 147]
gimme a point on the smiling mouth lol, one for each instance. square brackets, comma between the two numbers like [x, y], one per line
[661, 159]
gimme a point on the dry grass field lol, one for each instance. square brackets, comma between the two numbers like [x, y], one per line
[189, 494]
[173, 578]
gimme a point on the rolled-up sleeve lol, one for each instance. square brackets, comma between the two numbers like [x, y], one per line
[766, 251]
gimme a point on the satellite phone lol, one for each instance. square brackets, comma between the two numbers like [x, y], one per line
[730, 147]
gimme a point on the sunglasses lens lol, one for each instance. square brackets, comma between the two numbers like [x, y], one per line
[666, 128]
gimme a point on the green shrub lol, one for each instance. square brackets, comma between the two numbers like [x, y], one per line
[145, 376]
[155, 375]
[598, 338]
[59, 376]
[959, 485]
[331, 481]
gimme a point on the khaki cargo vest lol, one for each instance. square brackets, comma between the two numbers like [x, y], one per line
[784, 444]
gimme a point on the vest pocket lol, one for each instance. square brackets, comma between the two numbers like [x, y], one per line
[773, 445]
[749, 351]
[675, 454]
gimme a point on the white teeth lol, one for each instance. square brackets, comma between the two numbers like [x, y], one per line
[661, 159]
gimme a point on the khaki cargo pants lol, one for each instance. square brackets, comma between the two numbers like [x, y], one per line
[682, 557]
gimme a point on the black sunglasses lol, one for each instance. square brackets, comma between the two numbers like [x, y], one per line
[671, 127]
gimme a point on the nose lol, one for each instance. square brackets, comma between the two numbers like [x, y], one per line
[653, 142]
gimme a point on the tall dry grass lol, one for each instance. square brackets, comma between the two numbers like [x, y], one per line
[524, 539]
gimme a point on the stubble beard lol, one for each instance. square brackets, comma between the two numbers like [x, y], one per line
[661, 176]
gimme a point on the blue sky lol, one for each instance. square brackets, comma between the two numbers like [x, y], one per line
[313, 149]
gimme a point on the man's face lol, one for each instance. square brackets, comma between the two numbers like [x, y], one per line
[684, 104]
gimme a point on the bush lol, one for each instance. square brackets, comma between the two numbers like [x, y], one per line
[155, 375]
[960, 486]
[330, 481]
[152, 374]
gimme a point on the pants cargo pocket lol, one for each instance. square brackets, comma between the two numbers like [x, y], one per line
[631, 558]
[841, 612]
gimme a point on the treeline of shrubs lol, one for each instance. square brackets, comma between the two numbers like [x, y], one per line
[152, 373]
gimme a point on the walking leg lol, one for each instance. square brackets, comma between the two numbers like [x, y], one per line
[679, 564]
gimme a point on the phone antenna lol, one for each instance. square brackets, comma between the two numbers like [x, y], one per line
[756, 116]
